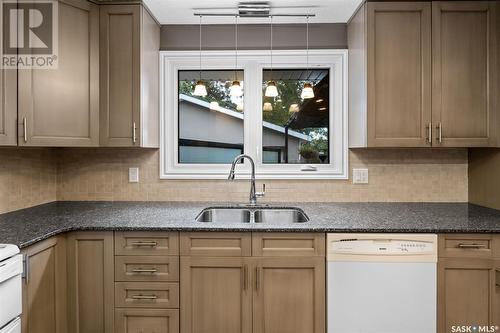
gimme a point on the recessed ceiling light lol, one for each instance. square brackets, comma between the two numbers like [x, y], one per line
[319, 100]
[322, 108]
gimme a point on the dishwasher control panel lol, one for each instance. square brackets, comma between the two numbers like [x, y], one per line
[381, 246]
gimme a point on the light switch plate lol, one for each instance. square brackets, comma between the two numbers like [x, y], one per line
[360, 176]
[133, 175]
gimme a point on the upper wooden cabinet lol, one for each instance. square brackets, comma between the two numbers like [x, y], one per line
[129, 76]
[60, 107]
[464, 50]
[423, 74]
[8, 107]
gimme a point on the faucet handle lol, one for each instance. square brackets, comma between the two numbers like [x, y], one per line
[263, 193]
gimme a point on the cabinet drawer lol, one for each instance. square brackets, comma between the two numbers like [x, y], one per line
[288, 244]
[146, 295]
[473, 245]
[146, 320]
[225, 244]
[146, 268]
[146, 243]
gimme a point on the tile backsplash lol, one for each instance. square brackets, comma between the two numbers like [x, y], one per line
[434, 175]
[27, 177]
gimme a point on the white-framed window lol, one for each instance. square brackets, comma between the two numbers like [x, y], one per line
[288, 138]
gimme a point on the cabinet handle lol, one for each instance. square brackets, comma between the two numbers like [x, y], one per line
[245, 277]
[26, 270]
[429, 133]
[257, 278]
[471, 246]
[25, 130]
[439, 128]
[145, 270]
[144, 297]
[142, 243]
[497, 277]
[134, 137]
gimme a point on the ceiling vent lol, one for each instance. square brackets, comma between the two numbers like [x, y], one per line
[254, 9]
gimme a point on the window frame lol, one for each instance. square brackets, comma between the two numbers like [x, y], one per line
[253, 63]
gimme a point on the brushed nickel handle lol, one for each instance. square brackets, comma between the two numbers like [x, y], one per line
[471, 246]
[257, 278]
[439, 128]
[145, 270]
[25, 129]
[245, 277]
[144, 297]
[429, 133]
[134, 137]
[497, 277]
[143, 243]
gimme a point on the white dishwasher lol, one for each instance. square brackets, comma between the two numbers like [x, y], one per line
[11, 269]
[382, 283]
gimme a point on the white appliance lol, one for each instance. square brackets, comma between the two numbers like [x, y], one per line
[11, 269]
[382, 283]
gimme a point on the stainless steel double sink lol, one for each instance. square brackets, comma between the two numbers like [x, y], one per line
[252, 214]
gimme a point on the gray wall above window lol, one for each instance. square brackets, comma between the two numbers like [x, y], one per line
[253, 36]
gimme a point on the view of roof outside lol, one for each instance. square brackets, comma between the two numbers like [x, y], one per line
[309, 117]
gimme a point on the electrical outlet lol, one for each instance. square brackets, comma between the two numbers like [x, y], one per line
[133, 175]
[360, 176]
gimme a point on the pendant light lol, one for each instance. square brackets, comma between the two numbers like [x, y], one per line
[307, 91]
[271, 89]
[200, 89]
[267, 107]
[235, 89]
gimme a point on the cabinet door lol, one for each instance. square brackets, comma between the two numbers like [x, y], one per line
[90, 282]
[8, 107]
[289, 295]
[44, 287]
[399, 74]
[60, 107]
[119, 76]
[465, 290]
[464, 71]
[215, 295]
[146, 321]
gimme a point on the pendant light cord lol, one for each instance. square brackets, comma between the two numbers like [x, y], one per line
[200, 47]
[235, 47]
[307, 47]
[271, 18]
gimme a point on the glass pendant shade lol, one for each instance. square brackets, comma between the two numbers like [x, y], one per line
[239, 106]
[293, 108]
[214, 106]
[267, 107]
[307, 91]
[271, 90]
[235, 89]
[200, 89]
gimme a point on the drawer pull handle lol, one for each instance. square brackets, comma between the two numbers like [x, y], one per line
[144, 297]
[145, 270]
[471, 246]
[497, 277]
[152, 244]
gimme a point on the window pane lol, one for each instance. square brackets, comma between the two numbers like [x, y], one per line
[296, 128]
[210, 126]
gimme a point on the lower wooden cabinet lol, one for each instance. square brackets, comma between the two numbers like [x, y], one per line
[44, 287]
[216, 295]
[289, 295]
[468, 281]
[90, 282]
[147, 320]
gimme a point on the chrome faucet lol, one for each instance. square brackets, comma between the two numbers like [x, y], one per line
[253, 195]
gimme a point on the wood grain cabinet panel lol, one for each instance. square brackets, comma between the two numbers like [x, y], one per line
[147, 321]
[8, 107]
[146, 243]
[399, 73]
[216, 295]
[228, 244]
[44, 287]
[146, 268]
[60, 107]
[289, 295]
[464, 72]
[468, 246]
[129, 75]
[288, 244]
[147, 294]
[90, 282]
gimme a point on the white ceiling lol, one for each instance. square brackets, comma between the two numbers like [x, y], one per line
[181, 11]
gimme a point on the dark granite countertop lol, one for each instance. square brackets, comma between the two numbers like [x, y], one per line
[27, 226]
